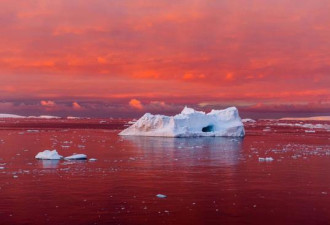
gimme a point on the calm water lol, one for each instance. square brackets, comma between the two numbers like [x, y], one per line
[206, 180]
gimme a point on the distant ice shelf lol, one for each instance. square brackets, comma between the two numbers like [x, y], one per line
[189, 123]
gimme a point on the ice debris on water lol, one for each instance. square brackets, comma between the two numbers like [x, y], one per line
[267, 159]
[76, 157]
[53, 155]
[161, 196]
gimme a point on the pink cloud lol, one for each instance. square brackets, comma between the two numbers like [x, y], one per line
[47, 103]
[134, 103]
[76, 106]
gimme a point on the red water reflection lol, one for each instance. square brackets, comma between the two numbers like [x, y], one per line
[206, 180]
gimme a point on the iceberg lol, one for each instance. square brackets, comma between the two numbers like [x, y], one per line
[49, 155]
[189, 123]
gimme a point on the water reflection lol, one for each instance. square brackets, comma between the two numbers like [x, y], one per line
[49, 164]
[203, 150]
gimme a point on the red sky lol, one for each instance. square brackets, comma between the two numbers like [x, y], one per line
[123, 58]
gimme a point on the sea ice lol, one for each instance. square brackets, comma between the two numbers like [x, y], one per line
[3, 115]
[76, 157]
[49, 155]
[267, 159]
[161, 196]
[189, 123]
[309, 131]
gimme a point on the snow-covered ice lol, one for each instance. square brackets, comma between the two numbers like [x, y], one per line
[4, 115]
[49, 155]
[76, 157]
[189, 123]
[267, 159]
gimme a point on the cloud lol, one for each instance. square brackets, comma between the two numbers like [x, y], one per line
[191, 76]
[47, 103]
[76, 106]
[134, 103]
[96, 50]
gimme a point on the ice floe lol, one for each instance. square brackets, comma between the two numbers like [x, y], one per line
[189, 123]
[76, 157]
[161, 196]
[306, 125]
[267, 159]
[48, 155]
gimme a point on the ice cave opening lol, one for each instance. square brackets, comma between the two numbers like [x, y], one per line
[209, 128]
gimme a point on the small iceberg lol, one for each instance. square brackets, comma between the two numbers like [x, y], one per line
[49, 155]
[76, 157]
[161, 196]
[189, 123]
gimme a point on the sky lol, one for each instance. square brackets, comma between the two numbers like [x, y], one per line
[122, 58]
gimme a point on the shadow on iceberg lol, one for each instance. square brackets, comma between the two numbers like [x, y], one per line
[202, 150]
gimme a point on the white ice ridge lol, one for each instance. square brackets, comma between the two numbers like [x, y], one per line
[4, 115]
[189, 123]
[49, 155]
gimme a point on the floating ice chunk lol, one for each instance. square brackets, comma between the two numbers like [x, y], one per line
[48, 155]
[76, 157]
[161, 196]
[309, 131]
[189, 123]
[92, 159]
[32, 131]
[267, 159]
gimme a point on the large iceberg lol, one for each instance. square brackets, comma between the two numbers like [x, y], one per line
[189, 123]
